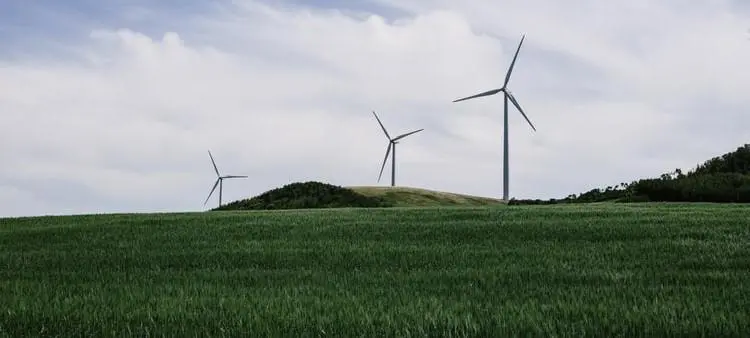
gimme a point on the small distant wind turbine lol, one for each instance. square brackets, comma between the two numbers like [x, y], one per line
[391, 143]
[219, 180]
[507, 96]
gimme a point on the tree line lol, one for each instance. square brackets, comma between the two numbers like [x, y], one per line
[722, 179]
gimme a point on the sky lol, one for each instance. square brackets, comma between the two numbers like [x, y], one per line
[112, 106]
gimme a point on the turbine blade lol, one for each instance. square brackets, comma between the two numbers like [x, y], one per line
[214, 163]
[381, 125]
[212, 190]
[515, 103]
[387, 152]
[235, 176]
[407, 134]
[513, 63]
[487, 93]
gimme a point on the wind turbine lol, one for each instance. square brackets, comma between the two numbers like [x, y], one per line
[391, 143]
[507, 95]
[219, 180]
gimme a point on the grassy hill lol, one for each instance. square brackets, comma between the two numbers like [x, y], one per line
[661, 270]
[306, 195]
[315, 195]
[415, 197]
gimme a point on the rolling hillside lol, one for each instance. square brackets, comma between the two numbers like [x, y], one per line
[416, 197]
[306, 195]
[722, 179]
[317, 195]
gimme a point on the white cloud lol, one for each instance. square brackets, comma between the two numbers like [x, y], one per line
[618, 90]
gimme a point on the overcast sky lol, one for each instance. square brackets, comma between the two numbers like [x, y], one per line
[111, 106]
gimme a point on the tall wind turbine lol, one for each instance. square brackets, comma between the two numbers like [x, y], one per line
[391, 144]
[219, 180]
[507, 95]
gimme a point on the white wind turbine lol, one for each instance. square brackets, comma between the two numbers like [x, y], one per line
[507, 96]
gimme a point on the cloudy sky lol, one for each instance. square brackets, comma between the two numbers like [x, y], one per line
[111, 106]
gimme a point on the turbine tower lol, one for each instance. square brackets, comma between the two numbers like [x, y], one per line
[507, 95]
[391, 144]
[219, 180]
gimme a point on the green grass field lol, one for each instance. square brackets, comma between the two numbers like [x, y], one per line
[567, 271]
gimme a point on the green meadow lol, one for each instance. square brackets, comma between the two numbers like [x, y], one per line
[593, 270]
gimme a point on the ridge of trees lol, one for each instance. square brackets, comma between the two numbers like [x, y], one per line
[306, 195]
[722, 179]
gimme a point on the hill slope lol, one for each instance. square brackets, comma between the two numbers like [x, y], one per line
[558, 271]
[314, 195]
[306, 195]
[415, 197]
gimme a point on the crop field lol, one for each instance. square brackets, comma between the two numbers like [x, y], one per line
[658, 270]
